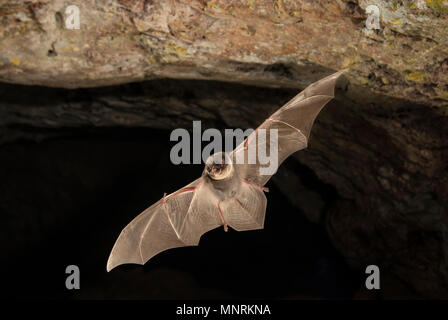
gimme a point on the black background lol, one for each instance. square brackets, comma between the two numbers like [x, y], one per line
[65, 200]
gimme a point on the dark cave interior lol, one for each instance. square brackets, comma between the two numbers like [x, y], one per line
[66, 199]
[79, 165]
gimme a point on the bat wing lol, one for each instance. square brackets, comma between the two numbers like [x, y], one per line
[247, 210]
[177, 220]
[293, 122]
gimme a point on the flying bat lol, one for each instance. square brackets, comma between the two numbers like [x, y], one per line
[229, 192]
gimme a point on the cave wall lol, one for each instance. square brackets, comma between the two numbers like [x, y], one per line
[275, 43]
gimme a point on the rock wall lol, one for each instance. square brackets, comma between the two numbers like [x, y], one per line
[276, 43]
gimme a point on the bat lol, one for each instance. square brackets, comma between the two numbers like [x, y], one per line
[229, 192]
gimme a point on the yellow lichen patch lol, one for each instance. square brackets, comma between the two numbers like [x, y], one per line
[438, 5]
[151, 60]
[384, 80]
[396, 21]
[278, 6]
[347, 62]
[215, 7]
[415, 76]
[173, 48]
[362, 80]
[250, 4]
[15, 61]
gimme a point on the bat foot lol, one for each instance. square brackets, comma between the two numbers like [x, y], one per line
[265, 189]
[222, 218]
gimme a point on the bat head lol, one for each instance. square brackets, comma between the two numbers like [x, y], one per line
[218, 166]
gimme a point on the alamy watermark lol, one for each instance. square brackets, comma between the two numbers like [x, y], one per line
[252, 147]
[72, 21]
[373, 19]
[73, 279]
[373, 280]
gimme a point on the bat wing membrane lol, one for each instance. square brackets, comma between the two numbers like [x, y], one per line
[247, 210]
[176, 220]
[293, 122]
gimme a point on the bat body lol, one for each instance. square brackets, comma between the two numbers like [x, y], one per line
[229, 192]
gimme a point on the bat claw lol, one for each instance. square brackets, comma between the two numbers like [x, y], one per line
[222, 218]
[265, 189]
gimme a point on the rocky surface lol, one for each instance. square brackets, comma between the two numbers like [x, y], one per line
[382, 143]
[276, 43]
